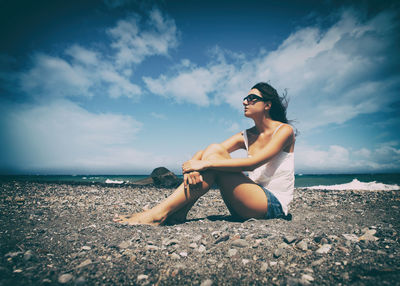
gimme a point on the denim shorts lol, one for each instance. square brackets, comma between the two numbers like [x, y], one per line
[274, 206]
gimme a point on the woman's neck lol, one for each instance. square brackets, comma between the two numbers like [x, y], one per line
[264, 124]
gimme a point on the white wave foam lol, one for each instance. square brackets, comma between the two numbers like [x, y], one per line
[357, 185]
[108, 181]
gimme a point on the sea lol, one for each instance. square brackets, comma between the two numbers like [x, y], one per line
[387, 181]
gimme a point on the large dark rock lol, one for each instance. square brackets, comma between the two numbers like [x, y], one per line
[164, 178]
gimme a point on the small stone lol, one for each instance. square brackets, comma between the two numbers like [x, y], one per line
[222, 238]
[306, 279]
[273, 263]
[171, 242]
[302, 245]
[86, 247]
[85, 263]
[183, 254]
[124, 245]
[232, 252]
[291, 281]
[17, 271]
[28, 255]
[245, 261]
[324, 241]
[152, 247]
[202, 248]
[350, 237]
[12, 254]
[65, 278]
[45, 281]
[278, 252]
[289, 239]
[197, 238]
[80, 281]
[317, 262]
[324, 249]
[368, 235]
[142, 277]
[207, 282]
[264, 267]
[193, 245]
[175, 256]
[240, 243]
[345, 276]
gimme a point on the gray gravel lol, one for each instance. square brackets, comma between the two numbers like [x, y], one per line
[64, 234]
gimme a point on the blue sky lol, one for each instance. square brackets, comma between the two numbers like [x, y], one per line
[122, 87]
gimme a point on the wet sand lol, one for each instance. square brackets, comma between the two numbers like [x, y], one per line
[64, 234]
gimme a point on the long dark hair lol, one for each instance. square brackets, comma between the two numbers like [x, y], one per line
[279, 104]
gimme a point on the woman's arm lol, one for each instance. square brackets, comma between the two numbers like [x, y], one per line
[231, 144]
[277, 143]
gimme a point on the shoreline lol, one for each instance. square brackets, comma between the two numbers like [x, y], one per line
[55, 233]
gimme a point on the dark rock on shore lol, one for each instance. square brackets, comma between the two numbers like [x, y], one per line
[164, 178]
[62, 234]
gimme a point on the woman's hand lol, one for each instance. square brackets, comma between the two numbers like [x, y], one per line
[194, 165]
[192, 179]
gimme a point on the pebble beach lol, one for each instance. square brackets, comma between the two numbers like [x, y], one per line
[63, 234]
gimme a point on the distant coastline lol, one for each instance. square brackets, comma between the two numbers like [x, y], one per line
[301, 181]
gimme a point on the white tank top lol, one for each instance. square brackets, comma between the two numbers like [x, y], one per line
[277, 175]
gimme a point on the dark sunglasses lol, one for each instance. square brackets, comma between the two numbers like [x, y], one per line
[253, 98]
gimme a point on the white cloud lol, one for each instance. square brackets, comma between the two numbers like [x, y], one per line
[62, 79]
[61, 136]
[332, 74]
[133, 44]
[81, 71]
[158, 115]
[340, 159]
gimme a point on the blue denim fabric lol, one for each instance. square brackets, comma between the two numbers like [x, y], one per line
[274, 206]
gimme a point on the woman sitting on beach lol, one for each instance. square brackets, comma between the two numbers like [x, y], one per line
[265, 193]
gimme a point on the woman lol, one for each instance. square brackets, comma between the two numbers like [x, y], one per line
[265, 193]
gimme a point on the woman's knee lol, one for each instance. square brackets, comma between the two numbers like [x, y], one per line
[215, 149]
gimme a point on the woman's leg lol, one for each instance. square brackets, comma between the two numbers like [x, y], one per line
[242, 196]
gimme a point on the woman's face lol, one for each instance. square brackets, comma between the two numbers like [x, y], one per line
[255, 106]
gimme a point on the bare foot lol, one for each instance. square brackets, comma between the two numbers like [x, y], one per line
[146, 217]
[179, 216]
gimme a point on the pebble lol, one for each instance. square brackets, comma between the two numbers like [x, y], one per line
[65, 278]
[222, 238]
[28, 255]
[368, 235]
[183, 254]
[171, 242]
[193, 245]
[175, 256]
[245, 261]
[142, 277]
[264, 267]
[207, 282]
[202, 248]
[289, 239]
[85, 263]
[232, 252]
[124, 245]
[152, 247]
[80, 281]
[317, 262]
[86, 247]
[302, 245]
[350, 237]
[278, 252]
[306, 279]
[240, 243]
[324, 249]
